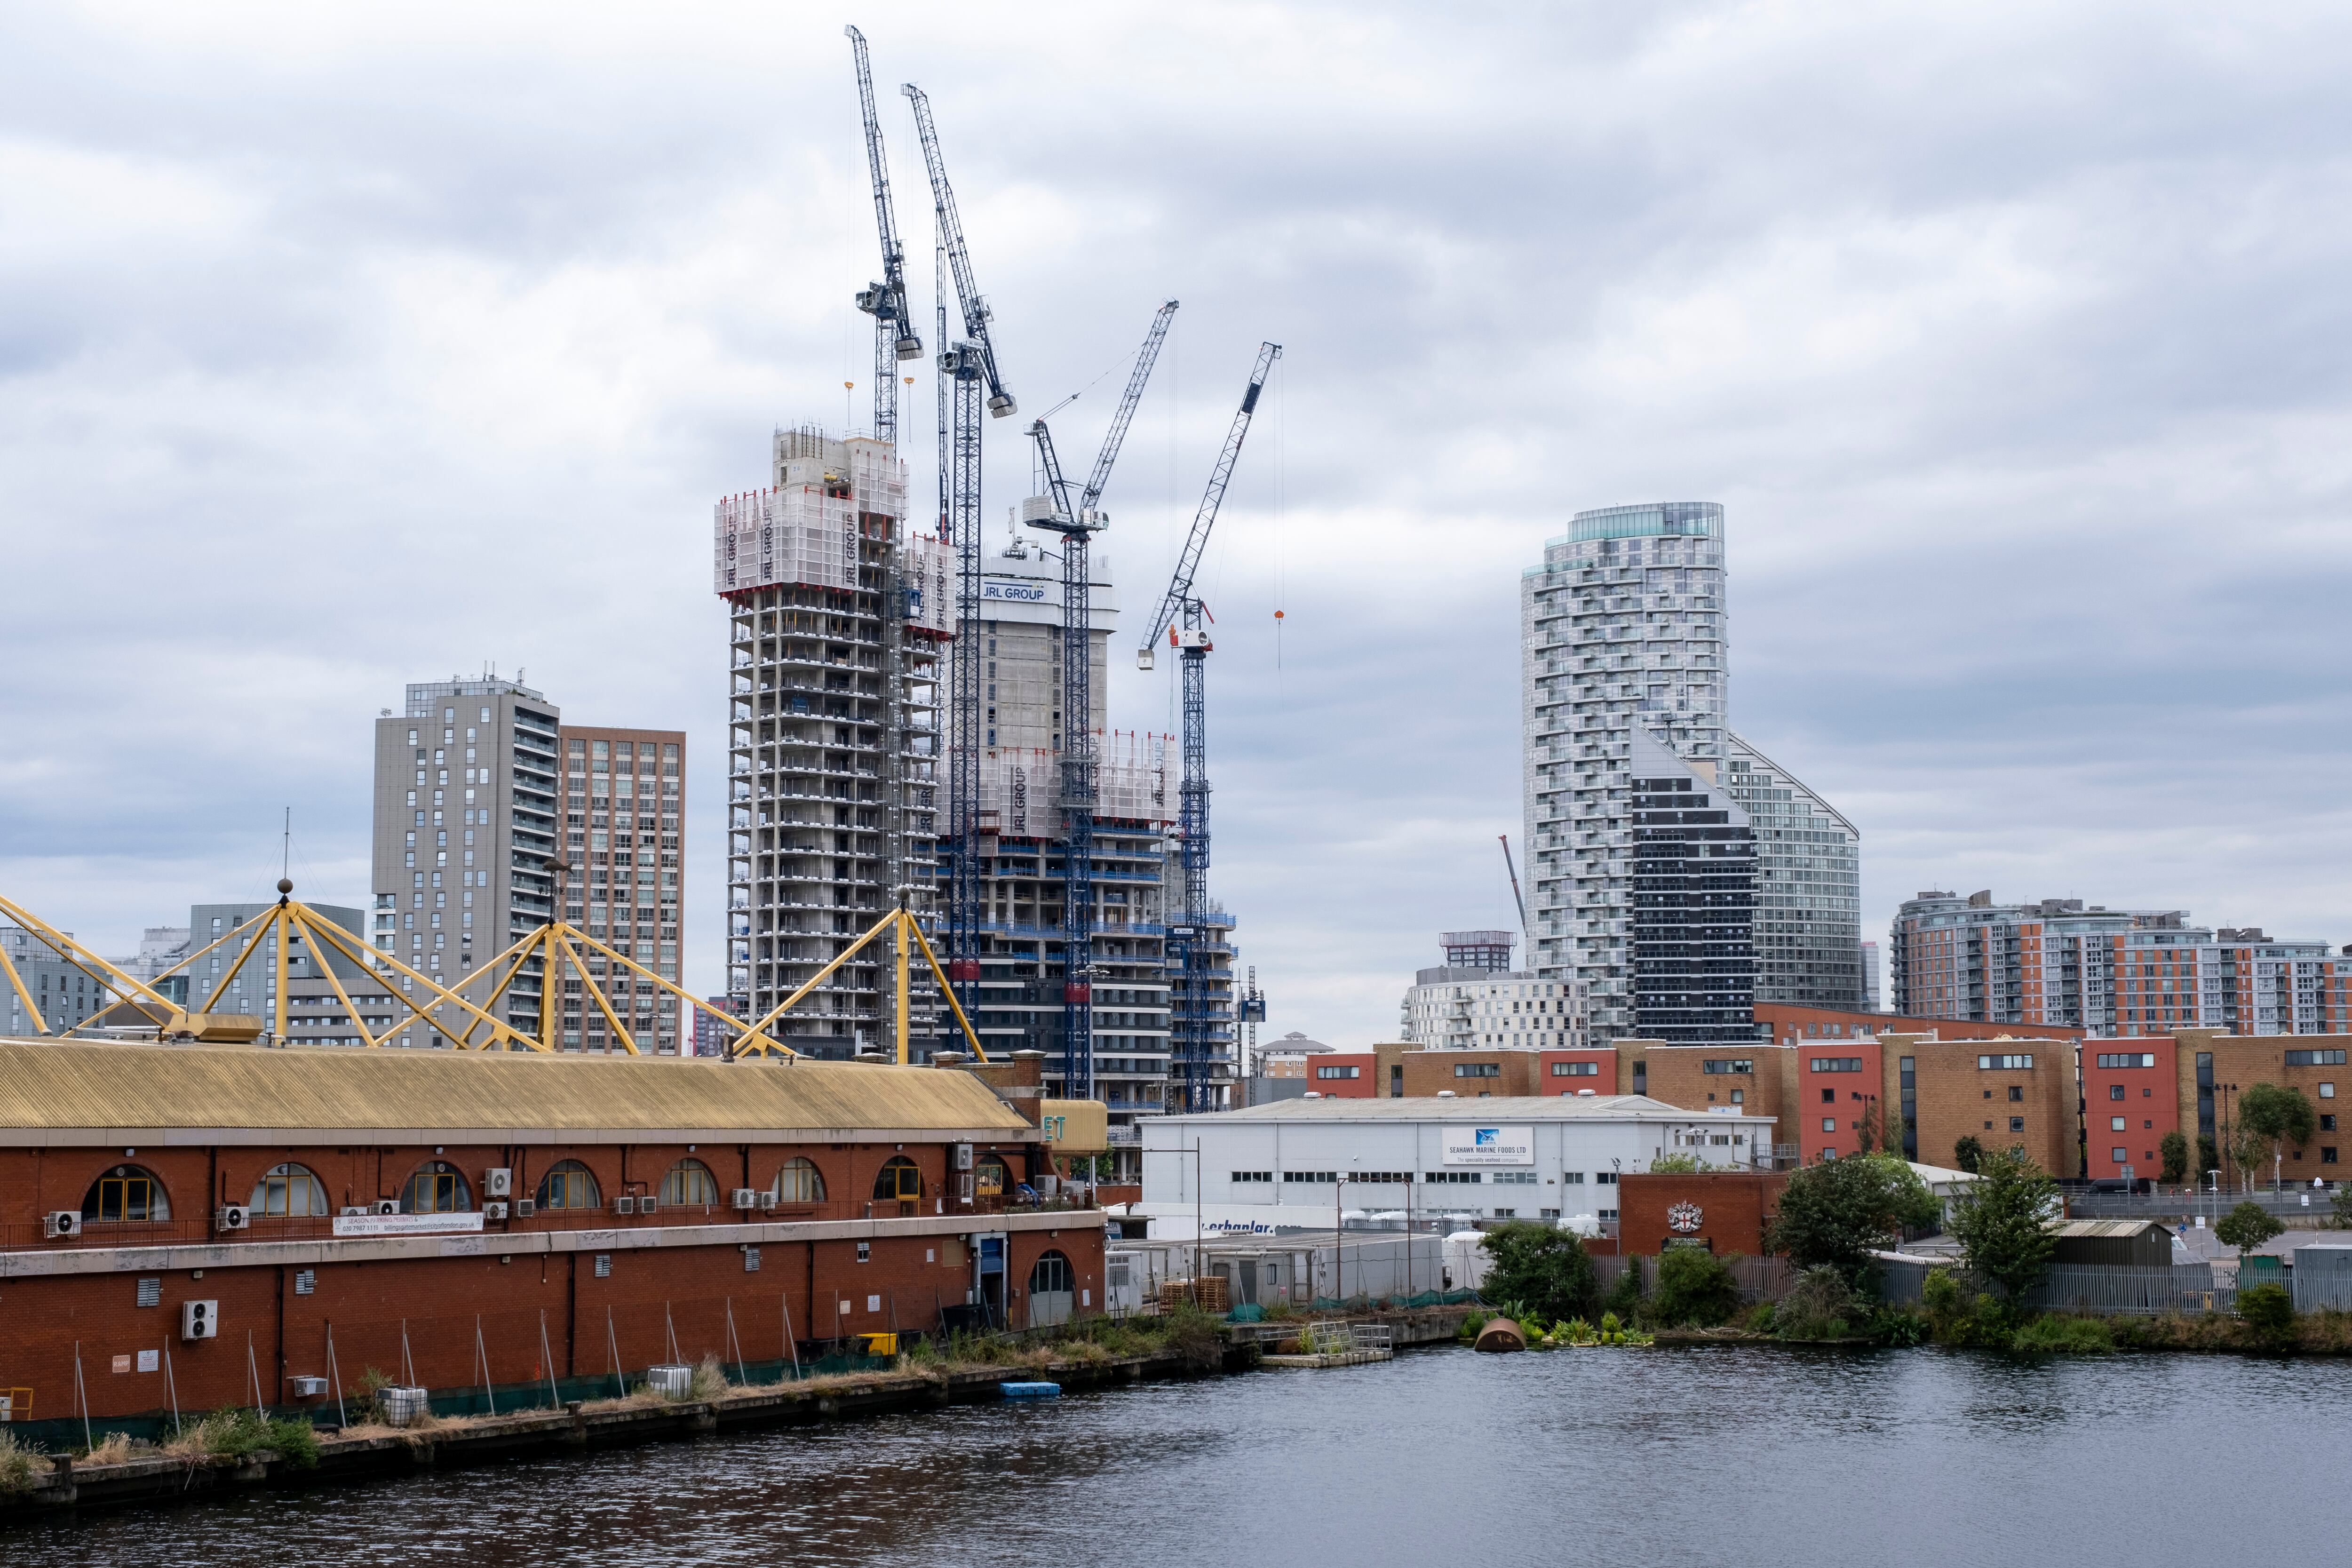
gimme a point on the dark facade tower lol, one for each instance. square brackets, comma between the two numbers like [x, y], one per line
[1693, 865]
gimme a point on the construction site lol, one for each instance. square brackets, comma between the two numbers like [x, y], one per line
[938, 846]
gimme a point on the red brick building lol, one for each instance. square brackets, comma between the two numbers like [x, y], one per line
[1723, 1211]
[456, 1219]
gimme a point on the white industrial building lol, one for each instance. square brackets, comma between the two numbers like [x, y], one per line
[1315, 1164]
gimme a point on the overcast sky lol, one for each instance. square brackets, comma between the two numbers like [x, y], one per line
[346, 346]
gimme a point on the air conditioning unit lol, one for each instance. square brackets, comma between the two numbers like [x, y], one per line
[625, 1204]
[233, 1216]
[350, 1210]
[526, 1207]
[199, 1320]
[747, 1198]
[387, 1205]
[308, 1387]
[767, 1202]
[494, 1211]
[964, 1156]
[647, 1205]
[497, 1181]
[64, 1222]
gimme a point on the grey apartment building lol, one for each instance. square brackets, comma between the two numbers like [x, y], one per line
[466, 822]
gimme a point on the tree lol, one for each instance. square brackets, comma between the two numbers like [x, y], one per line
[2269, 1310]
[2279, 1114]
[1544, 1269]
[1695, 1286]
[2342, 1204]
[2174, 1148]
[2209, 1155]
[1674, 1165]
[2002, 1219]
[1967, 1154]
[1834, 1214]
[2247, 1227]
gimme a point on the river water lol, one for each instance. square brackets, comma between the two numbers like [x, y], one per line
[1441, 1458]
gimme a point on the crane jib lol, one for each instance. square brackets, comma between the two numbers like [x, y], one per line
[1249, 398]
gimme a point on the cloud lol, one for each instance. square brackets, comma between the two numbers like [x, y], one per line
[343, 348]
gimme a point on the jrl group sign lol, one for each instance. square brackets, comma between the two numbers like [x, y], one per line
[1490, 1145]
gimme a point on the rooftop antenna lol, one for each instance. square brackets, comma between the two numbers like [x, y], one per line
[286, 847]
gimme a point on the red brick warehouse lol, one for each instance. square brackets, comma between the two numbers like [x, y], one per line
[501, 1218]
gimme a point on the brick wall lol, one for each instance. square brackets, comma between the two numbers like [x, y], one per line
[1733, 1206]
[2033, 1108]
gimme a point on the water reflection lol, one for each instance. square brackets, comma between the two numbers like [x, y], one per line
[1620, 1458]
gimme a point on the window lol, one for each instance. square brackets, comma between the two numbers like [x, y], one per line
[2129, 1059]
[2016, 1093]
[2115, 1092]
[689, 1184]
[437, 1188]
[1458, 1178]
[1605, 1178]
[1828, 1124]
[2117, 1124]
[2119, 1154]
[2328, 1122]
[289, 1190]
[2327, 1091]
[2315, 1058]
[1051, 1276]
[799, 1182]
[2004, 1063]
[126, 1193]
[568, 1185]
[995, 1177]
[1575, 1070]
[1310, 1176]
[897, 1181]
[1515, 1178]
[1837, 1064]
[1338, 1072]
[1829, 1097]
[2017, 1124]
[1571, 1178]
[1252, 1175]
[1732, 1064]
[2327, 1153]
[1477, 1069]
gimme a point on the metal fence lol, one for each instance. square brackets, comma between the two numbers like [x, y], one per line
[2132, 1292]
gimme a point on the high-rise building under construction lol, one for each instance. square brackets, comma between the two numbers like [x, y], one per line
[837, 616]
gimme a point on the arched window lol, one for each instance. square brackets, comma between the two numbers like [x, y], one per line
[568, 1185]
[690, 1185]
[799, 1182]
[289, 1191]
[899, 1181]
[992, 1178]
[126, 1193]
[437, 1188]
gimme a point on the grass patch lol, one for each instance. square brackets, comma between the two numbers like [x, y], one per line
[234, 1434]
[2050, 1334]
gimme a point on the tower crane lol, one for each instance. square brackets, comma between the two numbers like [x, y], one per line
[1077, 520]
[885, 300]
[967, 366]
[1183, 619]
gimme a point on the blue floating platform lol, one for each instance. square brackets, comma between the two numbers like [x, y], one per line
[1029, 1390]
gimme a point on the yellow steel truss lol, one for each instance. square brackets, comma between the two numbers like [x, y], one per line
[559, 948]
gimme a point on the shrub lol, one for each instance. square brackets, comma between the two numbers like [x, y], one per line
[2247, 1227]
[2269, 1310]
[20, 1466]
[1625, 1296]
[1674, 1165]
[233, 1434]
[1541, 1266]
[2053, 1335]
[1694, 1287]
[1967, 1154]
[708, 1381]
[1898, 1326]
[1818, 1307]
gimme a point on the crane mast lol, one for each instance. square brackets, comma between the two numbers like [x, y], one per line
[969, 376]
[1183, 618]
[1076, 521]
[885, 299]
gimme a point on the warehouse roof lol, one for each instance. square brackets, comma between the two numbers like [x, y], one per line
[1434, 1108]
[69, 1092]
